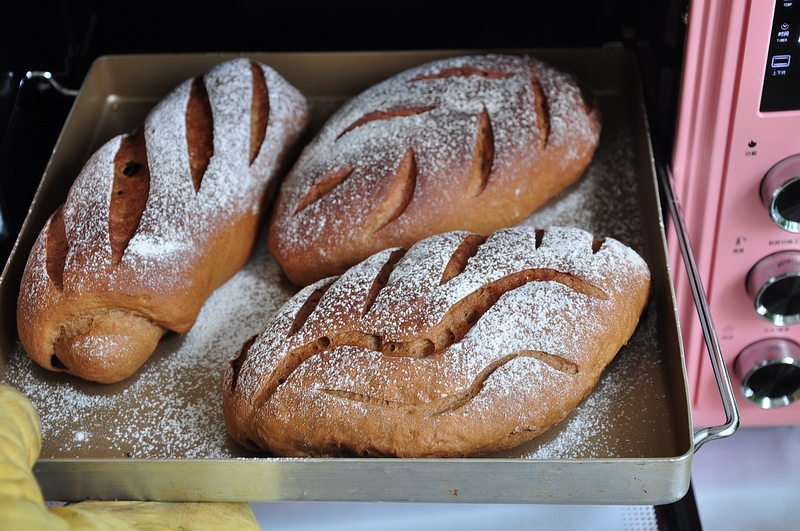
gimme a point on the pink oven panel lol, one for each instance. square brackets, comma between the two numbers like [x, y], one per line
[738, 120]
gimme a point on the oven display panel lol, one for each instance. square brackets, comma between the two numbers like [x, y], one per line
[781, 90]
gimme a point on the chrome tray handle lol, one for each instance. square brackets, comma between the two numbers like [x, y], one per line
[48, 77]
[703, 435]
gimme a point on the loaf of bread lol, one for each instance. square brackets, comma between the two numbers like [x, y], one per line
[157, 220]
[471, 143]
[463, 345]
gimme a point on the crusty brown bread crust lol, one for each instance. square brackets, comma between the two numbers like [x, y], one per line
[460, 346]
[156, 221]
[470, 143]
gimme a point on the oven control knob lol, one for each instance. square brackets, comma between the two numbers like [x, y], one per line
[770, 372]
[774, 285]
[780, 193]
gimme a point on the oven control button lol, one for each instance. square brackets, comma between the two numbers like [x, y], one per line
[780, 193]
[774, 285]
[770, 372]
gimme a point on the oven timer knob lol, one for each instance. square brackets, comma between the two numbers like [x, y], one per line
[780, 193]
[770, 372]
[774, 285]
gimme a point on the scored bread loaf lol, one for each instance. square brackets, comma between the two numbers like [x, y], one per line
[471, 143]
[157, 220]
[460, 346]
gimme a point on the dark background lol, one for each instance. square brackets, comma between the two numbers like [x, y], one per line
[63, 37]
[68, 34]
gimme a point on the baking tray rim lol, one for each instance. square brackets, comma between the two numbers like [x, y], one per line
[429, 480]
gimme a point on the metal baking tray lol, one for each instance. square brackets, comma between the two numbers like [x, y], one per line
[160, 435]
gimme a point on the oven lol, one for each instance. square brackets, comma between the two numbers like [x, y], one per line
[736, 173]
[698, 76]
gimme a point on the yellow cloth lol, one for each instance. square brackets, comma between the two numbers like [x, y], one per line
[22, 505]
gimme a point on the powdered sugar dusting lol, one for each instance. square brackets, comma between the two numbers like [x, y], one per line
[597, 426]
[172, 407]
